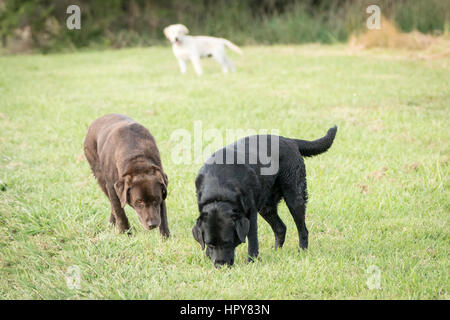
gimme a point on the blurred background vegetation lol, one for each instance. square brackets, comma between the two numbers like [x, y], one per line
[40, 25]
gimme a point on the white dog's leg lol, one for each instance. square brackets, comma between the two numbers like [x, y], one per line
[226, 64]
[197, 66]
[229, 64]
[182, 64]
[224, 67]
[219, 58]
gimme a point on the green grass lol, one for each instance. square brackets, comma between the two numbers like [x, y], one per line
[379, 196]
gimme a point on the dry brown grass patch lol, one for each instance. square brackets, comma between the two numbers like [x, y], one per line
[390, 37]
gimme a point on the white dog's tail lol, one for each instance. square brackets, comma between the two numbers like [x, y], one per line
[232, 46]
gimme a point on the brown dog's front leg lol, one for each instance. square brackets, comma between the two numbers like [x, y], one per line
[112, 219]
[117, 210]
[164, 226]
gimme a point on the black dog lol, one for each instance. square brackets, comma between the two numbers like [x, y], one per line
[242, 179]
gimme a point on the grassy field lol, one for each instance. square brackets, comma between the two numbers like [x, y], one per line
[379, 198]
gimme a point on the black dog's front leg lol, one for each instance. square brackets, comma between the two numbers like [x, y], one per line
[253, 249]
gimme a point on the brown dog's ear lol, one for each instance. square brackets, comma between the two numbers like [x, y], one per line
[122, 186]
[198, 235]
[164, 192]
[242, 228]
[164, 180]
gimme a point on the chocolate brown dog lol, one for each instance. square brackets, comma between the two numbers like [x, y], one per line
[125, 160]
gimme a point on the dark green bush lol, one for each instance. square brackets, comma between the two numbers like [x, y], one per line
[120, 23]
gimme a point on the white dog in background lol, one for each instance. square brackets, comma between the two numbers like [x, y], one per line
[193, 48]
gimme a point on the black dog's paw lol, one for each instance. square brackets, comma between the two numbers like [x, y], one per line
[304, 243]
[253, 259]
[279, 243]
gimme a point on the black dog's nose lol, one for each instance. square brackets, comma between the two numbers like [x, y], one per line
[177, 39]
[220, 263]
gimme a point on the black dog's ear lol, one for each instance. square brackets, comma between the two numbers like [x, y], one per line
[198, 235]
[242, 228]
[246, 201]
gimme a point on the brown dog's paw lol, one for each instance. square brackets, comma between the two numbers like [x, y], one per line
[124, 229]
[128, 232]
[112, 220]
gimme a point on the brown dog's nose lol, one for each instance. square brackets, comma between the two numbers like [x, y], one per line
[150, 222]
[152, 225]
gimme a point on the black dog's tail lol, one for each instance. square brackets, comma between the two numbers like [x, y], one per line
[312, 148]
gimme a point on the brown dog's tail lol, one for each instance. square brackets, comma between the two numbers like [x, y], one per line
[312, 148]
[230, 45]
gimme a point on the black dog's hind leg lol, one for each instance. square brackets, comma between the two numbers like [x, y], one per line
[270, 214]
[253, 248]
[296, 198]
